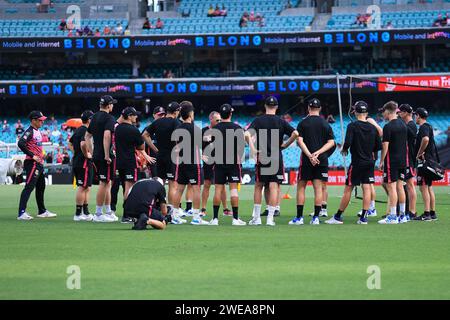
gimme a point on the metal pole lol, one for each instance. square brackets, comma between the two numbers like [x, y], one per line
[342, 119]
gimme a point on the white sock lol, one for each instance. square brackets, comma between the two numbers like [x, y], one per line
[393, 211]
[107, 209]
[372, 205]
[402, 208]
[256, 211]
[271, 212]
[196, 213]
[99, 210]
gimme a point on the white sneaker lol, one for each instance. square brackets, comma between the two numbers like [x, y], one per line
[323, 213]
[296, 221]
[102, 218]
[214, 222]
[255, 222]
[47, 214]
[389, 220]
[238, 222]
[81, 217]
[25, 217]
[315, 221]
[372, 213]
[199, 222]
[402, 219]
[270, 222]
[182, 213]
[88, 217]
[334, 221]
[112, 215]
[176, 220]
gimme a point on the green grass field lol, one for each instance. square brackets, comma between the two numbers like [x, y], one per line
[225, 262]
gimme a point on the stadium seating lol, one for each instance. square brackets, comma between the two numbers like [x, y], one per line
[49, 28]
[399, 19]
[291, 155]
[198, 22]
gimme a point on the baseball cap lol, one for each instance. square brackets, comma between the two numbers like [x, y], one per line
[173, 107]
[130, 111]
[226, 110]
[406, 108]
[361, 107]
[421, 112]
[105, 100]
[159, 110]
[186, 107]
[36, 115]
[271, 101]
[86, 115]
[314, 103]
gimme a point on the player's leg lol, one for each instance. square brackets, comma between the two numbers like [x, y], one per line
[324, 211]
[218, 192]
[432, 201]
[205, 194]
[373, 196]
[114, 193]
[226, 210]
[189, 197]
[345, 200]
[39, 193]
[317, 185]
[391, 217]
[176, 199]
[412, 195]
[401, 200]
[30, 168]
[273, 200]
[234, 199]
[257, 200]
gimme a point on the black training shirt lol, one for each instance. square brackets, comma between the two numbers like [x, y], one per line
[396, 133]
[161, 131]
[363, 140]
[426, 130]
[127, 138]
[101, 121]
[145, 195]
[192, 154]
[412, 133]
[232, 143]
[315, 132]
[75, 140]
[266, 126]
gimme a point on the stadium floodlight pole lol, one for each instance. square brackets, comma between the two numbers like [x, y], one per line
[342, 119]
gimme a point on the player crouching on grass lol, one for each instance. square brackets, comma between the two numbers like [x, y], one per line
[146, 204]
[229, 146]
[82, 168]
[363, 141]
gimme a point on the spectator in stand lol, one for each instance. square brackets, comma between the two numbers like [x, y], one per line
[261, 22]
[186, 13]
[5, 127]
[118, 30]
[52, 121]
[217, 11]
[243, 22]
[159, 24]
[167, 74]
[147, 24]
[59, 157]
[70, 34]
[63, 25]
[127, 31]
[210, 11]
[288, 5]
[447, 16]
[45, 137]
[389, 25]
[252, 18]
[224, 11]
[66, 157]
[106, 31]
[49, 158]
[97, 33]
[440, 21]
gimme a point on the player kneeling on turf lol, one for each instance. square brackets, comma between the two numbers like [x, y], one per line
[363, 140]
[146, 202]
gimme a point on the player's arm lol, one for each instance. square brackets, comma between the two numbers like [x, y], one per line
[22, 144]
[160, 225]
[422, 148]
[384, 151]
[249, 139]
[84, 148]
[376, 125]
[107, 135]
[88, 142]
[328, 145]
[148, 140]
[306, 152]
[292, 138]
[348, 140]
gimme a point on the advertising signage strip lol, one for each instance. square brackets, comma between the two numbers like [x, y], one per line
[183, 87]
[227, 41]
[422, 83]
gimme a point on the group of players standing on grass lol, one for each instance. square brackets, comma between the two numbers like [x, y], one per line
[173, 148]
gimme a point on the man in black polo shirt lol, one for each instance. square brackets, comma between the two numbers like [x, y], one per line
[229, 146]
[405, 114]
[188, 169]
[315, 139]
[146, 203]
[425, 149]
[128, 141]
[208, 166]
[269, 131]
[82, 168]
[161, 130]
[393, 162]
[363, 141]
[101, 130]
[158, 113]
